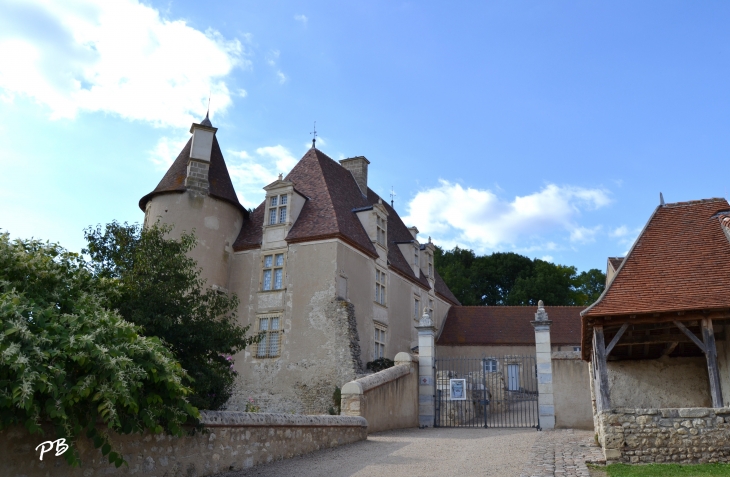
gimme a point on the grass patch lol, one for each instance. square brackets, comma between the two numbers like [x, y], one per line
[668, 470]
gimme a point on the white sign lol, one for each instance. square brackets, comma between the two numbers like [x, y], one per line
[60, 444]
[457, 389]
[426, 380]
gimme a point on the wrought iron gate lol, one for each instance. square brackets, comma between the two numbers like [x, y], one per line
[495, 391]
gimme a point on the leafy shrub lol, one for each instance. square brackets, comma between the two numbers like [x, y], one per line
[335, 410]
[155, 284]
[380, 364]
[66, 360]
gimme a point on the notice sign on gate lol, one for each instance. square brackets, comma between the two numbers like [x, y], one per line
[457, 389]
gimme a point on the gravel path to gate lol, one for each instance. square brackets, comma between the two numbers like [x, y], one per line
[418, 452]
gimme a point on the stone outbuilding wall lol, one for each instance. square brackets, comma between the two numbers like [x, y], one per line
[679, 435]
[236, 440]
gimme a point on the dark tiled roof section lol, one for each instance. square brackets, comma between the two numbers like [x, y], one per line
[616, 262]
[398, 233]
[443, 290]
[251, 231]
[508, 325]
[678, 263]
[220, 187]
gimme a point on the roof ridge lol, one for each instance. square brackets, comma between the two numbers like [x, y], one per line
[694, 202]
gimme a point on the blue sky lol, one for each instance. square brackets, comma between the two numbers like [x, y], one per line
[544, 128]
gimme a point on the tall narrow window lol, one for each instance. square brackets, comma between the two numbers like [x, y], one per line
[379, 341]
[430, 265]
[277, 209]
[416, 308]
[430, 308]
[415, 258]
[270, 345]
[380, 222]
[273, 277]
[380, 286]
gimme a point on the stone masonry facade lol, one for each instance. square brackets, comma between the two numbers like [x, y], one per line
[684, 435]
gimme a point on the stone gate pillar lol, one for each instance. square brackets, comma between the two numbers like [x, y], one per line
[426, 384]
[543, 350]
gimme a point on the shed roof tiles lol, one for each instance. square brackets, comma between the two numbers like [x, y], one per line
[679, 262]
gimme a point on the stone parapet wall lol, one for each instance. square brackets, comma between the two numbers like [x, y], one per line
[235, 440]
[388, 399]
[682, 435]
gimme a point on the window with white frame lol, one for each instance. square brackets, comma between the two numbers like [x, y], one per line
[576, 348]
[416, 308]
[277, 209]
[490, 365]
[379, 341]
[380, 286]
[380, 226]
[273, 272]
[415, 258]
[270, 344]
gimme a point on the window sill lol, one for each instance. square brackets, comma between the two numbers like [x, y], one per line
[381, 305]
[272, 291]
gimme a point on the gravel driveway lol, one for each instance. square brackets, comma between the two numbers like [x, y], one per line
[417, 452]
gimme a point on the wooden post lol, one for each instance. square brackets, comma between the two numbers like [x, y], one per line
[708, 336]
[603, 397]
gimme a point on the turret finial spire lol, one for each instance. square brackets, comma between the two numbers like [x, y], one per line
[314, 136]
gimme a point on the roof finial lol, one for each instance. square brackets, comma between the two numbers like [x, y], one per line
[206, 121]
[392, 196]
[661, 199]
[314, 136]
[281, 176]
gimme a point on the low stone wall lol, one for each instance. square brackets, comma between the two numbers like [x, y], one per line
[236, 440]
[387, 399]
[684, 435]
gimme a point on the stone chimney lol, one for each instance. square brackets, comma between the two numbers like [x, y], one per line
[358, 166]
[414, 232]
[200, 151]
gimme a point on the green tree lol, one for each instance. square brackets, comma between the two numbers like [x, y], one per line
[513, 279]
[67, 360]
[153, 283]
[589, 286]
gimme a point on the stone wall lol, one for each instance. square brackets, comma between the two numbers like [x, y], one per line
[387, 399]
[234, 441]
[680, 435]
[571, 391]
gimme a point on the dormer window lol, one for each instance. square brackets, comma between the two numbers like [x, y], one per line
[380, 225]
[277, 209]
[415, 258]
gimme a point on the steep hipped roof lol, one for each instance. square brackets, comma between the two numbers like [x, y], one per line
[507, 326]
[334, 196]
[220, 187]
[678, 263]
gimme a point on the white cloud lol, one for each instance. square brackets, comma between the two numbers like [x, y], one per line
[251, 172]
[113, 56]
[547, 258]
[282, 77]
[625, 236]
[478, 219]
[301, 18]
[166, 150]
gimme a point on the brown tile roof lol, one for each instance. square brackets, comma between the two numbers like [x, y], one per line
[220, 186]
[616, 262]
[678, 263]
[333, 195]
[508, 325]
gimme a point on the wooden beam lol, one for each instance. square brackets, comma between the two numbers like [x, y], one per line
[654, 339]
[669, 348]
[599, 350]
[663, 318]
[615, 339]
[708, 335]
[691, 336]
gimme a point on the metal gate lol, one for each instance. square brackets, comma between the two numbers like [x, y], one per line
[495, 391]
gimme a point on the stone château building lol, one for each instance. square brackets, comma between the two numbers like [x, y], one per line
[324, 267]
